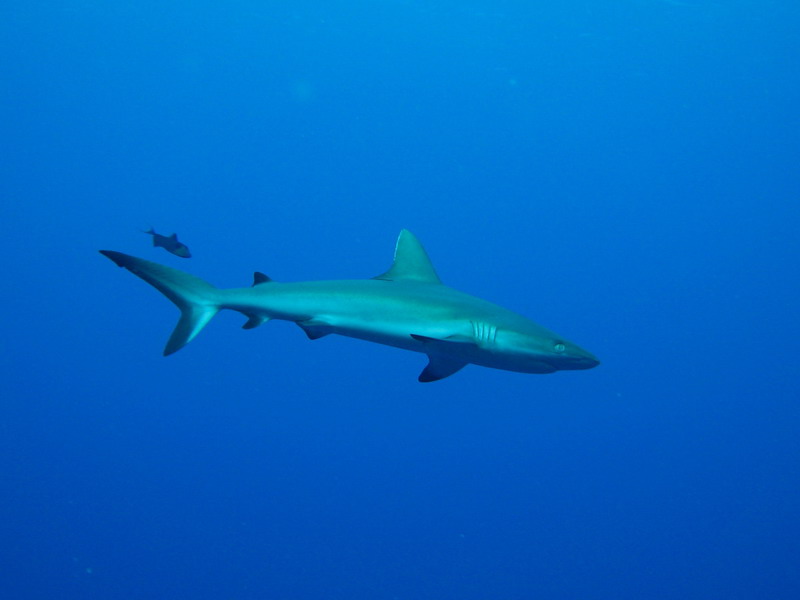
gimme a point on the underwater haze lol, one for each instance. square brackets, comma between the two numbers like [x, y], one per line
[622, 172]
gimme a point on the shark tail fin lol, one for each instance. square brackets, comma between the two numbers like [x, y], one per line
[197, 300]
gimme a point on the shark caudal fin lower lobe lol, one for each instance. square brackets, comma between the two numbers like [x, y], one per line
[196, 299]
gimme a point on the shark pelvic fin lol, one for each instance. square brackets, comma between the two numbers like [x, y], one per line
[314, 328]
[411, 262]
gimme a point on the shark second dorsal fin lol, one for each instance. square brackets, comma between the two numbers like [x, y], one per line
[411, 262]
[259, 278]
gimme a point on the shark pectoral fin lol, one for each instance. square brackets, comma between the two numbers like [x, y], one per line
[315, 328]
[450, 339]
[254, 321]
[440, 367]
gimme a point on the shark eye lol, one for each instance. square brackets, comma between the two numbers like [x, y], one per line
[560, 347]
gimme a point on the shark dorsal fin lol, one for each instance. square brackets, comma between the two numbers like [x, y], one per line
[411, 262]
[174, 236]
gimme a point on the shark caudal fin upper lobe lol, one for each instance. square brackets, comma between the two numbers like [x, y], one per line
[197, 300]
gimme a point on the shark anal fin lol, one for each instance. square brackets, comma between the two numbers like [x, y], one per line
[440, 367]
[254, 321]
[314, 328]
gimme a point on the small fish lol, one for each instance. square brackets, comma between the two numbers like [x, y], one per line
[170, 243]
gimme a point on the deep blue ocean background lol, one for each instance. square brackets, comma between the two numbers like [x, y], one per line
[623, 172]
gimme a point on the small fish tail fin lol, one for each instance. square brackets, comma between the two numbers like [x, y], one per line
[197, 300]
[151, 231]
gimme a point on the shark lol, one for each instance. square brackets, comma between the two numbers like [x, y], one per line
[407, 307]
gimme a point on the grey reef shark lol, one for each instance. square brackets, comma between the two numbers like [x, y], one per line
[406, 307]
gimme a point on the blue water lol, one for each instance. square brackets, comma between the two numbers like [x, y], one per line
[624, 173]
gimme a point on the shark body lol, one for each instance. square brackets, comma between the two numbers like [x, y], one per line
[407, 307]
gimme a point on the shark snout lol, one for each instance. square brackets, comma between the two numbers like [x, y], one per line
[584, 359]
[578, 358]
[586, 362]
